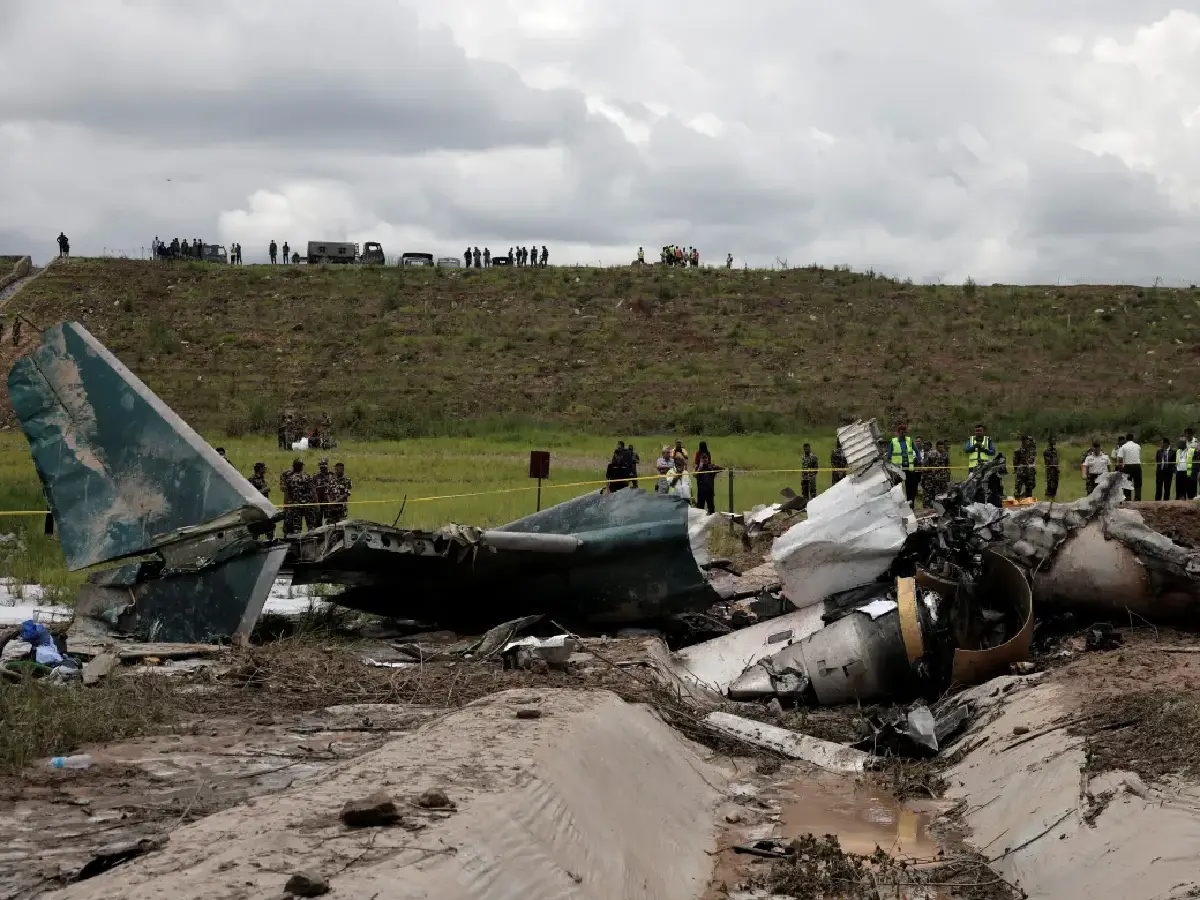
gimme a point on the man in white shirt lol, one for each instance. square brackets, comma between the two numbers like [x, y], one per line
[1129, 462]
[1185, 480]
[664, 464]
[680, 482]
[1095, 464]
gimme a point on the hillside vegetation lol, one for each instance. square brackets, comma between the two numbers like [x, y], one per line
[393, 352]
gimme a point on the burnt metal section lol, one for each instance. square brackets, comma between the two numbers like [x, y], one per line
[600, 558]
[127, 480]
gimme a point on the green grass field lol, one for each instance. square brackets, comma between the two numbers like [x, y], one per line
[492, 473]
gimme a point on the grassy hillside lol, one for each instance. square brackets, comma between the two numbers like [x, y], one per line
[394, 353]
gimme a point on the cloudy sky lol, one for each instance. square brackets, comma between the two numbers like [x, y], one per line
[1008, 140]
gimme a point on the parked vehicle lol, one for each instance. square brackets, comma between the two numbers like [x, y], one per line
[331, 252]
[416, 259]
[372, 254]
[449, 262]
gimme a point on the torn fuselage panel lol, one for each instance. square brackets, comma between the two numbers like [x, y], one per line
[603, 558]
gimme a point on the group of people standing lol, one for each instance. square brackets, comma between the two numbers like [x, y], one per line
[674, 255]
[927, 468]
[315, 500]
[520, 257]
[674, 470]
[1173, 465]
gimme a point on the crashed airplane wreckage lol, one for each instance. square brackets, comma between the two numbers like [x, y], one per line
[889, 608]
[878, 604]
[129, 483]
[134, 488]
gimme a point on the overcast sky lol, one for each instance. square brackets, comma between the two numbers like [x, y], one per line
[1008, 140]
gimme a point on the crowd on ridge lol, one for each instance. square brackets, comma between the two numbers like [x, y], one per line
[520, 257]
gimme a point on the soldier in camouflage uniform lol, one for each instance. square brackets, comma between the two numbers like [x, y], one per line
[837, 462]
[808, 478]
[259, 480]
[338, 491]
[1050, 458]
[935, 475]
[282, 431]
[1025, 467]
[297, 491]
[314, 514]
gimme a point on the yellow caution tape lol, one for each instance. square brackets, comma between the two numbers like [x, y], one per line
[545, 486]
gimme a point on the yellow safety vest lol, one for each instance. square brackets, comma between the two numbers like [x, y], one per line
[975, 457]
[899, 457]
[1189, 459]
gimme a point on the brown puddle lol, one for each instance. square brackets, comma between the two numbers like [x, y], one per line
[862, 815]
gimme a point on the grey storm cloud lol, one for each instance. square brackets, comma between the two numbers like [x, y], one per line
[1005, 141]
[391, 85]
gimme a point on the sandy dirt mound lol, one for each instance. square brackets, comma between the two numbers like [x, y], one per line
[1049, 816]
[592, 798]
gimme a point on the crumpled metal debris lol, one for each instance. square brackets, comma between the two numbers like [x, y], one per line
[612, 559]
[904, 610]
[1091, 554]
[914, 733]
[853, 530]
[1102, 636]
[555, 651]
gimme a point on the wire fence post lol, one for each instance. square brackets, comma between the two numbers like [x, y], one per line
[730, 471]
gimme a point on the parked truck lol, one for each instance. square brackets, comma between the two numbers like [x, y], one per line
[345, 252]
[331, 252]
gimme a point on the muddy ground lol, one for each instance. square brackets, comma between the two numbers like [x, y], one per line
[275, 716]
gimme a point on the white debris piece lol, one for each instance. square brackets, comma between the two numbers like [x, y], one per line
[13, 593]
[699, 522]
[877, 608]
[287, 599]
[15, 650]
[852, 534]
[556, 651]
[15, 615]
[823, 754]
[386, 664]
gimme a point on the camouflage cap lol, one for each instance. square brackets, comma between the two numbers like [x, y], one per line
[323, 463]
[260, 465]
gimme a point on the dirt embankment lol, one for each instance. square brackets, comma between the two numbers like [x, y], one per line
[700, 351]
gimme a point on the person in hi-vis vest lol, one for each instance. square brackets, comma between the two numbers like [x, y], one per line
[905, 455]
[980, 448]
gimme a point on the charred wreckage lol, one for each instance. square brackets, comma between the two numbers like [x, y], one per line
[861, 600]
